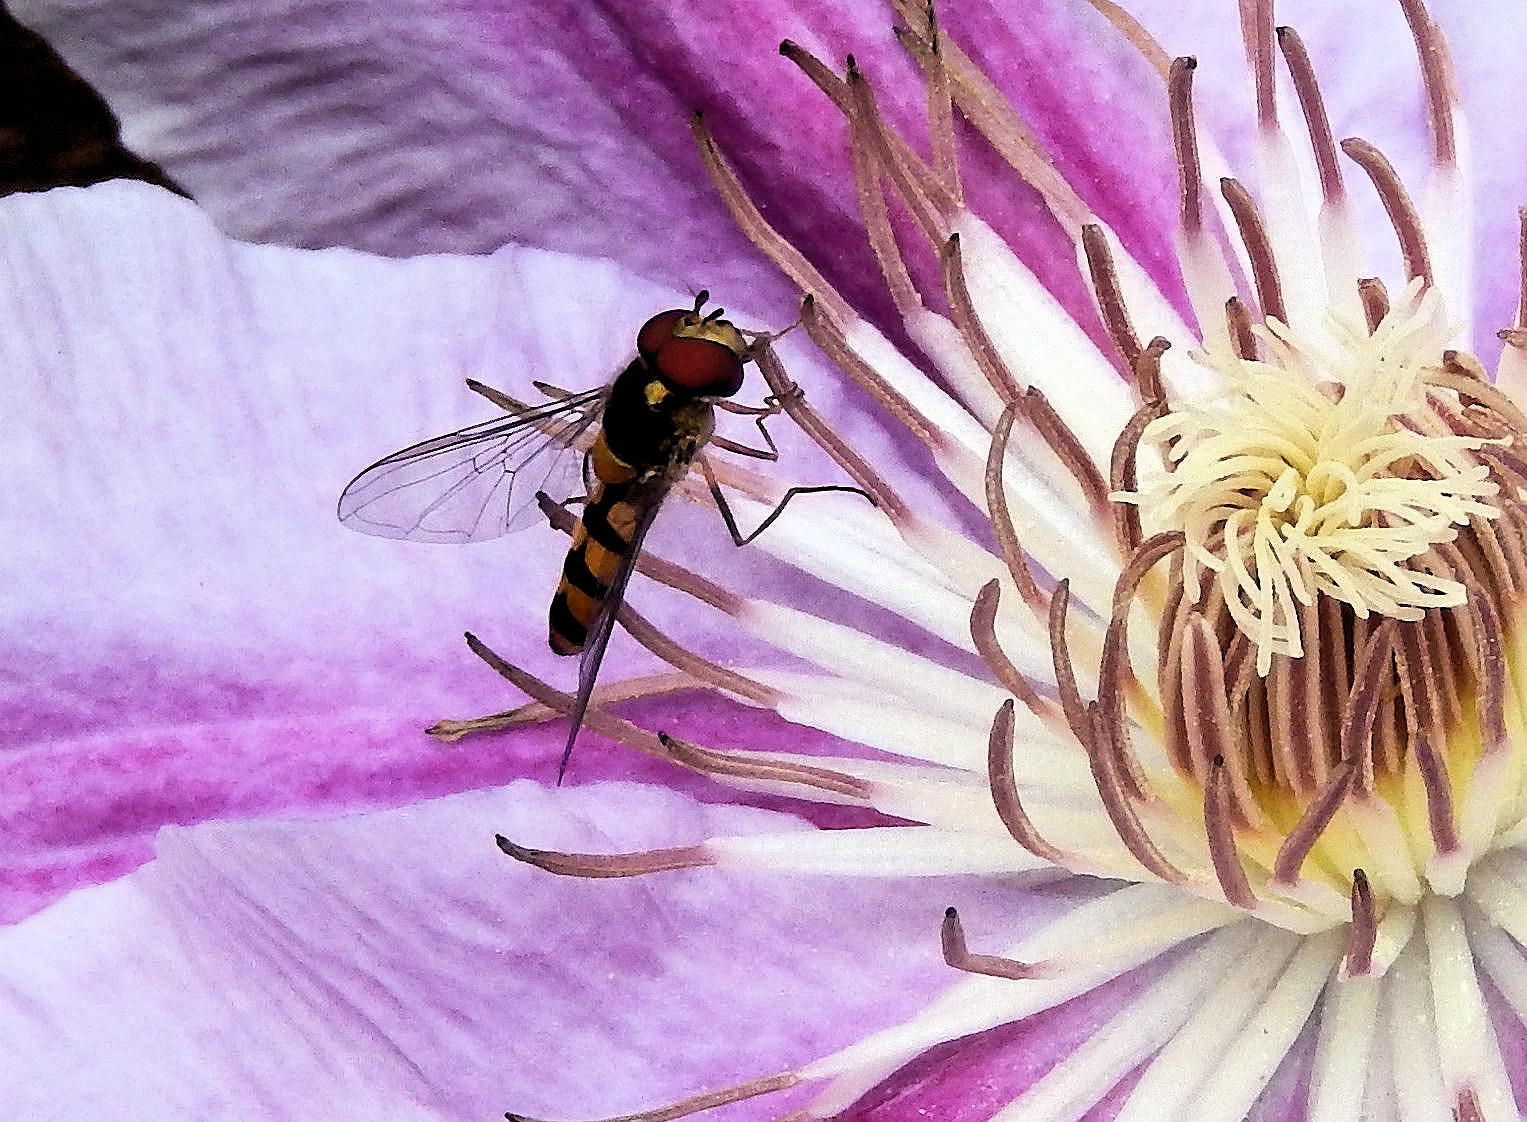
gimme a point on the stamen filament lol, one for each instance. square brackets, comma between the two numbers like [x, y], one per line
[1322, 142]
[1397, 204]
[1004, 790]
[600, 865]
[957, 954]
[1363, 931]
[699, 1103]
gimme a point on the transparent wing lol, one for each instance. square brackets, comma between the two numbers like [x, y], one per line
[477, 483]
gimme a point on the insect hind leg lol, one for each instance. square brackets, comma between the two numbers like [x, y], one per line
[725, 509]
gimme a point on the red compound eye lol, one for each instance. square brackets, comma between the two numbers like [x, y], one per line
[700, 365]
[657, 331]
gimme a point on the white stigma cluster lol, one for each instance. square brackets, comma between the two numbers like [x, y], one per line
[1321, 469]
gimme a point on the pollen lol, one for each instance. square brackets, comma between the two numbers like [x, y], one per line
[1327, 467]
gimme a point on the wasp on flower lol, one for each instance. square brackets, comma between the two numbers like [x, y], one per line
[1247, 610]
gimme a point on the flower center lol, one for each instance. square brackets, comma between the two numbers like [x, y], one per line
[1335, 679]
[1323, 469]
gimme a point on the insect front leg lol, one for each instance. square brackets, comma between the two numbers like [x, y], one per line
[738, 538]
[773, 405]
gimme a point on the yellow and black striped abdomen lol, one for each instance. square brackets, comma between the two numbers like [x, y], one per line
[600, 544]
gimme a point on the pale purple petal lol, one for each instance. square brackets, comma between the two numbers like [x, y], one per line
[397, 965]
[189, 632]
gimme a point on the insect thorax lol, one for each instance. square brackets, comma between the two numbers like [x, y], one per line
[650, 425]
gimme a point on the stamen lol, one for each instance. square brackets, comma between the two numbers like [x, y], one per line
[957, 955]
[1264, 269]
[929, 206]
[1110, 298]
[1115, 676]
[1397, 204]
[992, 115]
[1221, 834]
[633, 736]
[1121, 811]
[799, 410]
[1257, 30]
[1000, 516]
[1300, 841]
[1363, 699]
[1418, 688]
[821, 75]
[702, 670]
[962, 310]
[713, 762]
[1436, 79]
[1134, 32]
[1467, 1108]
[605, 695]
[1169, 643]
[1521, 253]
[1067, 448]
[1312, 686]
[1363, 931]
[599, 865]
[1185, 141]
[1486, 657]
[983, 630]
[1034, 406]
[1004, 790]
[1319, 125]
[1123, 475]
[940, 106]
[1148, 370]
[1375, 298]
[751, 221]
[1419, 685]
[1502, 582]
[1207, 716]
[708, 1101]
[939, 192]
[877, 222]
[1289, 748]
[1065, 673]
[1242, 337]
[825, 332]
[1151, 551]
[1440, 655]
[1462, 374]
[1440, 815]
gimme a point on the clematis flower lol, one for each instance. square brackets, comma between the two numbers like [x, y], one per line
[1274, 715]
[1184, 838]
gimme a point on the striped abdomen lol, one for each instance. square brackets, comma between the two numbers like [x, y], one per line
[600, 543]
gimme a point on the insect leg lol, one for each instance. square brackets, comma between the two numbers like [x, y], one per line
[770, 453]
[555, 392]
[731, 520]
[773, 405]
[497, 397]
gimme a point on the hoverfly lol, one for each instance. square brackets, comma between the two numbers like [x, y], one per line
[653, 420]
